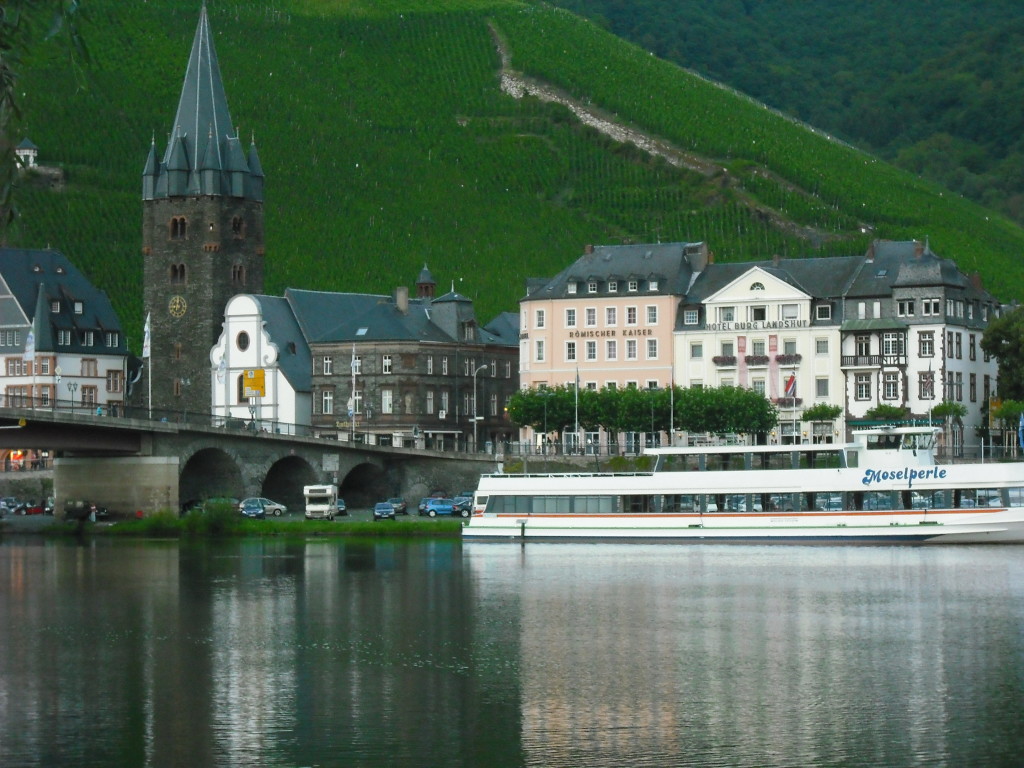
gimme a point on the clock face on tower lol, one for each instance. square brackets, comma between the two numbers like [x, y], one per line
[177, 306]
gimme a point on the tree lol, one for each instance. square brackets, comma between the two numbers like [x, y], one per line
[885, 412]
[1004, 338]
[822, 412]
[20, 22]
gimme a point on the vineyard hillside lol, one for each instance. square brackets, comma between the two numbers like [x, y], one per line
[490, 140]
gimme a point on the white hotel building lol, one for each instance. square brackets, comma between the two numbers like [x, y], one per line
[897, 325]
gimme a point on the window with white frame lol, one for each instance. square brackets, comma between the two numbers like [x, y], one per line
[652, 349]
[539, 318]
[892, 343]
[862, 386]
[327, 401]
[570, 351]
[357, 364]
[631, 349]
[508, 369]
[652, 285]
[905, 308]
[610, 316]
[890, 386]
[64, 338]
[88, 338]
[972, 349]
[931, 307]
[757, 313]
[613, 286]
[690, 317]
[493, 404]
[652, 314]
[387, 401]
[789, 347]
[538, 350]
[328, 364]
[926, 344]
[632, 286]
[570, 287]
[592, 286]
[430, 365]
[385, 364]
[444, 401]
[696, 350]
[430, 402]
[630, 315]
[726, 314]
[821, 386]
[823, 312]
[757, 347]
[591, 351]
[590, 316]
[789, 311]
[570, 317]
[611, 350]
[757, 385]
[494, 368]
[444, 365]
[728, 349]
[821, 346]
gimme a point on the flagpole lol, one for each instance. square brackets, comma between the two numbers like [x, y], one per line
[147, 356]
[578, 443]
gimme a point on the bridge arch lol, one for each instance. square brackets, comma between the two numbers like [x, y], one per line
[285, 479]
[209, 472]
[364, 484]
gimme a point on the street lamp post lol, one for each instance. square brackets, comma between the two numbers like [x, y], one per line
[72, 388]
[475, 417]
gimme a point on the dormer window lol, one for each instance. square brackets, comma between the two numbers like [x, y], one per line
[592, 286]
[613, 286]
[653, 285]
[55, 307]
[112, 338]
[633, 286]
[78, 308]
[88, 338]
[570, 287]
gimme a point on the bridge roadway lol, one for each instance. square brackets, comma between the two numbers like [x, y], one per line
[130, 464]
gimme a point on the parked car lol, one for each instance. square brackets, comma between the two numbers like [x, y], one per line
[342, 509]
[400, 507]
[383, 510]
[80, 509]
[253, 508]
[29, 508]
[422, 507]
[269, 507]
[437, 507]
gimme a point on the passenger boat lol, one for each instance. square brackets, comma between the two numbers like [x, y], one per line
[885, 486]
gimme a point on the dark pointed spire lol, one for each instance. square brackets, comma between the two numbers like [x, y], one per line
[203, 107]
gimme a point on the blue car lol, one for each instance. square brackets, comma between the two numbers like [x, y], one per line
[437, 507]
[252, 508]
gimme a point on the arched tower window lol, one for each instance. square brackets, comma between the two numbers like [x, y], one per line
[179, 228]
[238, 226]
[178, 274]
[238, 274]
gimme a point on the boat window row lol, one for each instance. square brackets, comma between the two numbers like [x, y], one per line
[753, 460]
[739, 503]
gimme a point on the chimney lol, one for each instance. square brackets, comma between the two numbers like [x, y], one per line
[975, 279]
[870, 255]
[588, 248]
[402, 299]
[775, 260]
[918, 249]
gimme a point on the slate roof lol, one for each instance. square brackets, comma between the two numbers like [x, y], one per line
[34, 278]
[665, 262]
[821, 277]
[325, 317]
[905, 263]
[294, 358]
[204, 154]
[504, 329]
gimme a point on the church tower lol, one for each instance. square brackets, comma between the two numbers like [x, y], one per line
[202, 233]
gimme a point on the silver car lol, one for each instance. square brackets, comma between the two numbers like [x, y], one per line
[269, 507]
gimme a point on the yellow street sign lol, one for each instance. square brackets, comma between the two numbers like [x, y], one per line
[253, 383]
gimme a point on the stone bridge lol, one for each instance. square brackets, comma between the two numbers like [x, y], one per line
[129, 464]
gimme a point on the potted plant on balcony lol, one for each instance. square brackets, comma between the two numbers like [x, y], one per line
[756, 359]
[788, 359]
[724, 359]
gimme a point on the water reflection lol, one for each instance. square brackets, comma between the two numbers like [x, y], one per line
[368, 653]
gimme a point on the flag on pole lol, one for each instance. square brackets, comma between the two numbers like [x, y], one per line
[1020, 430]
[30, 347]
[791, 385]
[146, 340]
[222, 368]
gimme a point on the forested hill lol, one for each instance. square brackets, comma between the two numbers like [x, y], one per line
[388, 142]
[935, 86]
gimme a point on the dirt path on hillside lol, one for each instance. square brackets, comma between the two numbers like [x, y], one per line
[518, 85]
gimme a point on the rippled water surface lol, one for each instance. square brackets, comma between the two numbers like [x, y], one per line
[345, 653]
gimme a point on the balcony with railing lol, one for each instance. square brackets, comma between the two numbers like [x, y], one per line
[872, 361]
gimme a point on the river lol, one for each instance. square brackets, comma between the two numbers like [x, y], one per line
[338, 652]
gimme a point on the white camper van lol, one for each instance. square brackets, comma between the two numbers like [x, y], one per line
[321, 501]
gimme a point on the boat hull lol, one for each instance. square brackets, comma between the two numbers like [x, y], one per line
[995, 526]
